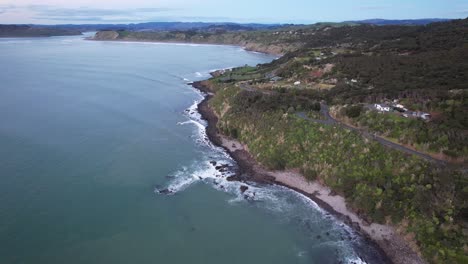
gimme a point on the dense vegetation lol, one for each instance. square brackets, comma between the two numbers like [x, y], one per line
[432, 137]
[277, 40]
[351, 68]
[384, 185]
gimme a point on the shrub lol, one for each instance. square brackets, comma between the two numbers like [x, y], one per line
[353, 111]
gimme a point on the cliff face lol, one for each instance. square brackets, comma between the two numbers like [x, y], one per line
[250, 41]
[106, 35]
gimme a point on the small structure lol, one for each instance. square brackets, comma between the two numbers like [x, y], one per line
[426, 116]
[353, 80]
[297, 83]
[401, 106]
[382, 107]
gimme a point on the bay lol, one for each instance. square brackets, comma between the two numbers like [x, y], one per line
[89, 130]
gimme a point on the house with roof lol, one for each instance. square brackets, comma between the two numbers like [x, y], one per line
[382, 107]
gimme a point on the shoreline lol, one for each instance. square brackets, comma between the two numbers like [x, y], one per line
[188, 43]
[385, 238]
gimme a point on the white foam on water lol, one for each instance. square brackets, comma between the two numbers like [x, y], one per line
[276, 199]
[182, 179]
[355, 260]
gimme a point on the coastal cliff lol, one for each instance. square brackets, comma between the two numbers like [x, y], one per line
[339, 118]
[392, 240]
[252, 41]
[309, 108]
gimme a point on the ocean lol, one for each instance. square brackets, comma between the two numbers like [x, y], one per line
[90, 131]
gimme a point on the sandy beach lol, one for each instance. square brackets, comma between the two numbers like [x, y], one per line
[389, 240]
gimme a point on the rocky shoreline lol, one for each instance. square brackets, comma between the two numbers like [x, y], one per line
[386, 238]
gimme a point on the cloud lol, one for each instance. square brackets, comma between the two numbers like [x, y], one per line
[53, 13]
[6, 8]
[84, 11]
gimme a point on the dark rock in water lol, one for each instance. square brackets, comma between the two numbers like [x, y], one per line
[319, 236]
[233, 178]
[328, 233]
[243, 188]
[190, 83]
[221, 186]
[200, 178]
[165, 191]
[213, 162]
[170, 177]
[221, 167]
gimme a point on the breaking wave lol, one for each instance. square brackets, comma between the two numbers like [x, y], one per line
[215, 166]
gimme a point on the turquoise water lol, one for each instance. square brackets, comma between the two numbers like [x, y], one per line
[89, 130]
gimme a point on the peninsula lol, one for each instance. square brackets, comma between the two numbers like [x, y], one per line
[367, 120]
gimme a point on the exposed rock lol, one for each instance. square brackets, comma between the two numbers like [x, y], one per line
[165, 191]
[222, 167]
[243, 188]
[106, 35]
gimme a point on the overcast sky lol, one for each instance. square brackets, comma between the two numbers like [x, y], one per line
[261, 11]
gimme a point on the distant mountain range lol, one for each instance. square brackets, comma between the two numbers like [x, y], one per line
[169, 26]
[33, 31]
[71, 29]
[227, 26]
[409, 22]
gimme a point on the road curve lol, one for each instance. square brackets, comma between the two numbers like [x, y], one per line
[324, 111]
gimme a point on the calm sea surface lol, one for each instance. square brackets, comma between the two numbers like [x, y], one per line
[89, 130]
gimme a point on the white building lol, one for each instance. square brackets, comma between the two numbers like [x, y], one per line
[425, 116]
[400, 106]
[382, 108]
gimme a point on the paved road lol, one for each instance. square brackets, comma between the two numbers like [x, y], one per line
[324, 110]
[329, 120]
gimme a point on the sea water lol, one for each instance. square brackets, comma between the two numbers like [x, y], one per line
[90, 131]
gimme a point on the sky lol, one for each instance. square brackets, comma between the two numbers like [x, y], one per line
[243, 11]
